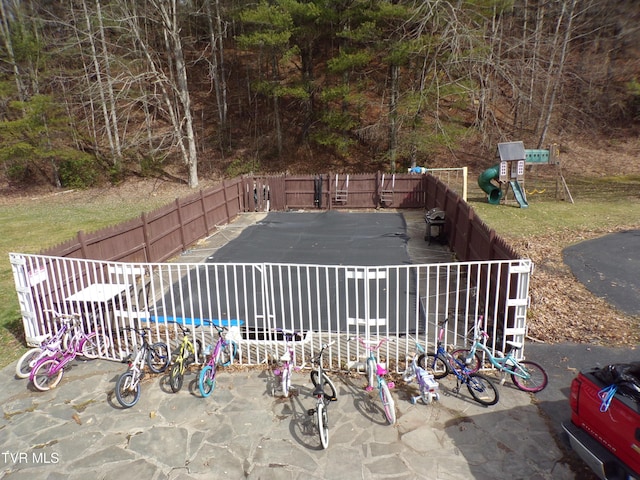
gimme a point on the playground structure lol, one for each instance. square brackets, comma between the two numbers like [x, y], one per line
[508, 175]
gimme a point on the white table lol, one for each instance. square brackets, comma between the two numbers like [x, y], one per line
[99, 292]
[99, 299]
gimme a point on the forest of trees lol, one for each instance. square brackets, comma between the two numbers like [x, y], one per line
[102, 89]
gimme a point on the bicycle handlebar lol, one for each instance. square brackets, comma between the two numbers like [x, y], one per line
[324, 346]
[184, 329]
[140, 331]
[371, 344]
[290, 333]
[64, 317]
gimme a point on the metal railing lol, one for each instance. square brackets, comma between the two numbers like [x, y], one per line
[332, 302]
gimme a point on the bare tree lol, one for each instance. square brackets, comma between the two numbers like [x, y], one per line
[169, 77]
[561, 45]
[217, 68]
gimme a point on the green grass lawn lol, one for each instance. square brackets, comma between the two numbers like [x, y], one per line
[31, 225]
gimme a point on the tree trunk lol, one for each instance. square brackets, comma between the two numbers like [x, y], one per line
[98, 73]
[5, 32]
[181, 114]
[394, 73]
[217, 66]
[558, 71]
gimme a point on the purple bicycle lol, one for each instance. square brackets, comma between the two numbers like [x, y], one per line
[47, 372]
[50, 345]
[224, 351]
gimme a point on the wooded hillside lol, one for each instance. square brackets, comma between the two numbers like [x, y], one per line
[95, 90]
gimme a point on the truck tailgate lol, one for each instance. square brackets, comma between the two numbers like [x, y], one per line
[616, 427]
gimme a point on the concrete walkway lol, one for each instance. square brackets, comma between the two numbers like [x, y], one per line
[79, 430]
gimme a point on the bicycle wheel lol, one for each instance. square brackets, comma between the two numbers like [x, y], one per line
[529, 376]
[387, 403]
[158, 357]
[26, 362]
[371, 373]
[323, 424]
[176, 377]
[227, 354]
[329, 389]
[285, 380]
[434, 364]
[482, 389]
[44, 374]
[207, 380]
[127, 393]
[424, 395]
[472, 362]
[94, 345]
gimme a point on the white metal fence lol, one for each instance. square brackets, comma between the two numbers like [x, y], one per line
[331, 302]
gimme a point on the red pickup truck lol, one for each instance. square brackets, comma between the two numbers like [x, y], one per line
[605, 420]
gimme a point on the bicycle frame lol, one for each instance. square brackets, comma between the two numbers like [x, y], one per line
[505, 364]
[156, 356]
[525, 374]
[56, 364]
[288, 360]
[427, 385]
[207, 376]
[186, 349]
[321, 381]
[136, 365]
[481, 388]
[375, 368]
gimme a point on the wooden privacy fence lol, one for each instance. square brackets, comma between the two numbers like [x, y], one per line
[163, 233]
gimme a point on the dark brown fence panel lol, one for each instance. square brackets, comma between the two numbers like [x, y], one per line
[165, 232]
[301, 191]
[362, 192]
[191, 217]
[410, 191]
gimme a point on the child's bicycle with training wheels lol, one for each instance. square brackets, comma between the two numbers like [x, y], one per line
[376, 372]
[287, 361]
[48, 370]
[325, 392]
[427, 385]
[224, 351]
[441, 363]
[528, 376]
[155, 356]
[187, 354]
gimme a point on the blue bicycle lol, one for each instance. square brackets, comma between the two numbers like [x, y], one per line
[442, 363]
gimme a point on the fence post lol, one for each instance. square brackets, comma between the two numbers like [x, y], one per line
[204, 212]
[83, 245]
[145, 235]
[181, 224]
[226, 202]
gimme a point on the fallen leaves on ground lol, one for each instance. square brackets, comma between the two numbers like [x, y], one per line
[562, 309]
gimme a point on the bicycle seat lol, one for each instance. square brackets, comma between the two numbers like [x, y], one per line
[514, 345]
[286, 357]
[40, 338]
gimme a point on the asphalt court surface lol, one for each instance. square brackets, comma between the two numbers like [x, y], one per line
[321, 238]
[609, 267]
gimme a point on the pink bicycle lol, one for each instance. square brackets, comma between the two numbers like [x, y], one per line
[376, 376]
[47, 372]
